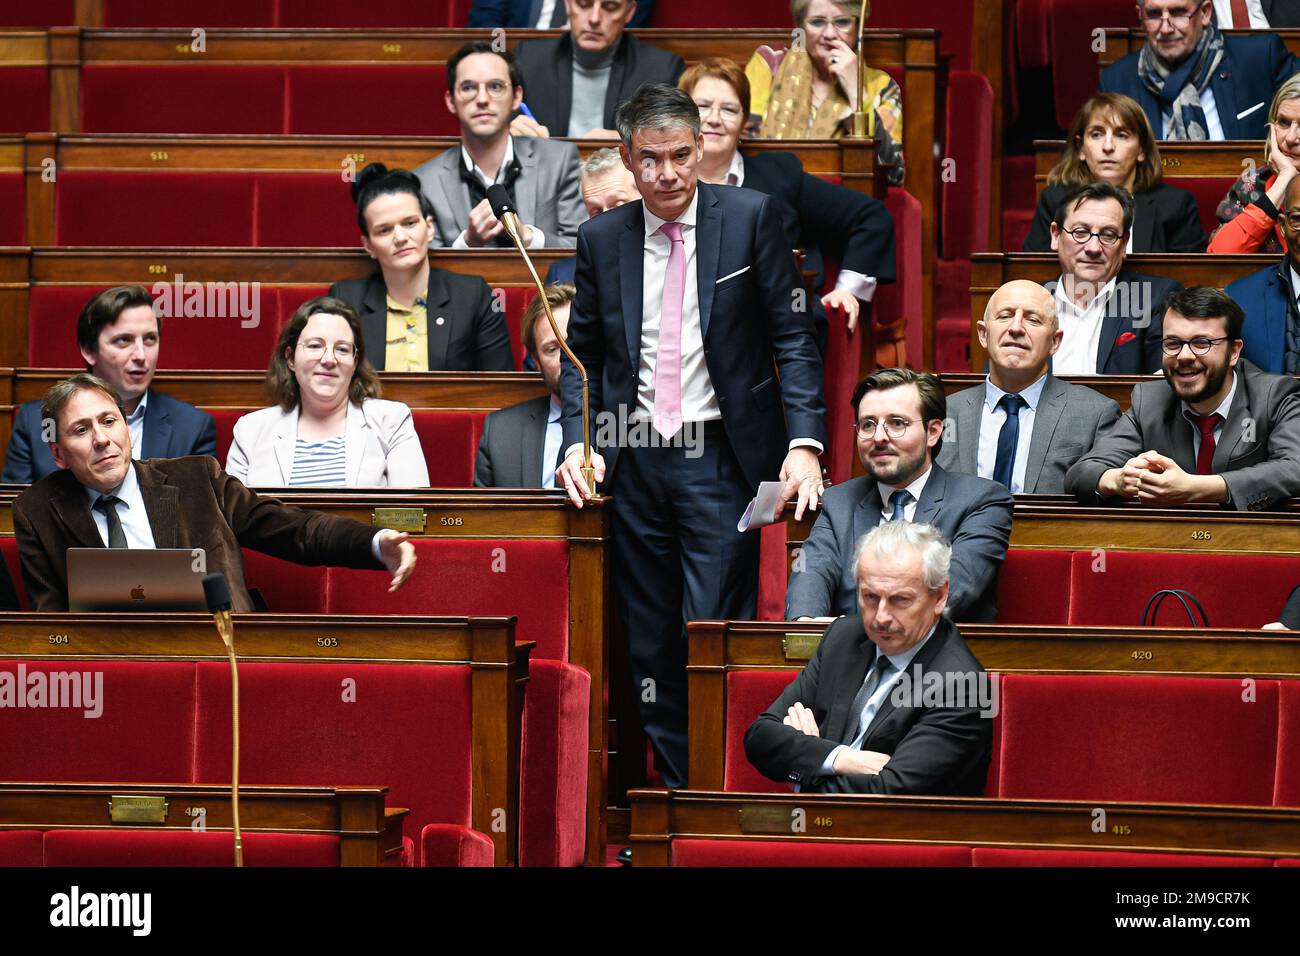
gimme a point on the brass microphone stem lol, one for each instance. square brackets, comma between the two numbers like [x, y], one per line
[860, 114]
[227, 631]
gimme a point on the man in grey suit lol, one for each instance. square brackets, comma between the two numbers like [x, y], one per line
[541, 175]
[1216, 430]
[900, 418]
[521, 444]
[1014, 428]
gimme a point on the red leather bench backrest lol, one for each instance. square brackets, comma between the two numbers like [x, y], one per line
[24, 13]
[749, 853]
[286, 587]
[450, 442]
[21, 848]
[1209, 193]
[25, 107]
[127, 208]
[1034, 587]
[1286, 791]
[358, 100]
[183, 98]
[186, 848]
[13, 211]
[185, 13]
[995, 856]
[9, 548]
[749, 693]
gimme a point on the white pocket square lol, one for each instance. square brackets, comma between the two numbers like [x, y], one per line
[732, 276]
[1245, 113]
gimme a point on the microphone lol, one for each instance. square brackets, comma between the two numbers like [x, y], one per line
[860, 114]
[504, 209]
[216, 593]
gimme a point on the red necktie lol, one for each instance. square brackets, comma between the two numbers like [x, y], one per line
[1205, 457]
[1240, 18]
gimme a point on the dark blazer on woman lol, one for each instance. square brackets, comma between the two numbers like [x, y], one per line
[465, 333]
[1165, 219]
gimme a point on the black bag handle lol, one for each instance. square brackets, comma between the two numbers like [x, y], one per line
[1153, 606]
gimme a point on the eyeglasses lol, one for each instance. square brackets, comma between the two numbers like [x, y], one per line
[1179, 20]
[894, 427]
[1200, 345]
[467, 90]
[343, 351]
[728, 111]
[1107, 237]
[841, 24]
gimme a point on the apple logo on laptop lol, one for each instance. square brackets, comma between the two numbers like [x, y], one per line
[137, 593]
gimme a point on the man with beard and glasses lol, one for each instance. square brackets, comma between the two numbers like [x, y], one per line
[899, 419]
[1220, 430]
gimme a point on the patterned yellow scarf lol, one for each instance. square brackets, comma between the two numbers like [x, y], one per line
[789, 109]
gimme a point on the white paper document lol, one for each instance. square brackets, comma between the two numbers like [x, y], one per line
[762, 510]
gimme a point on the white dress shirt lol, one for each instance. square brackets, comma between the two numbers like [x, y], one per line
[1082, 327]
[991, 422]
[544, 17]
[130, 511]
[1213, 127]
[1221, 411]
[1254, 9]
[135, 424]
[551, 446]
[915, 488]
[898, 663]
[539, 238]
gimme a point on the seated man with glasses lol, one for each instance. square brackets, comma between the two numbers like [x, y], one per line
[1269, 298]
[900, 419]
[1109, 316]
[1216, 430]
[483, 88]
[1193, 81]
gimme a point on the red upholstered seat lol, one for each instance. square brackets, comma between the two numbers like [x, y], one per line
[797, 853]
[749, 693]
[286, 587]
[304, 209]
[445, 844]
[553, 765]
[359, 99]
[1073, 58]
[52, 324]
[1138, 738]
[952, 305]
[404, 727]
[110, 208]
[1034, 587]
[362, 13]
[49, 13]
[955, 22]
[185, 98]
[1208, 193]
[772, 572]
[292, 296]
[1032, 47]
[450, 442]
[186, 13]
[529, 579]
[225, 419]
[21, 848]
[1287, 861]
[965, 199]
[901, 302]
[753, 14]
[516, 299]
[25, 107]
[993, 856]
[1286, 791]
[186, 848]
[9, 548]
[138, 702]
[1118, 594]
[12, 210]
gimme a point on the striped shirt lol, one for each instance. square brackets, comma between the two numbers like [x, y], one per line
[320, 463]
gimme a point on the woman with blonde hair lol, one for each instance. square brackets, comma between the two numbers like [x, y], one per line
[1248, 214]
[1110, 140]
[809, 90]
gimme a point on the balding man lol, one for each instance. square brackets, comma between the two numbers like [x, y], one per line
[855, 720]
[1023, 427]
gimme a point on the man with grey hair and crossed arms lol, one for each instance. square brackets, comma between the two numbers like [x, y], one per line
[842, 726]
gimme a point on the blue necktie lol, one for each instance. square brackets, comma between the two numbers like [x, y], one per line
[1008, 438]
[899, 500]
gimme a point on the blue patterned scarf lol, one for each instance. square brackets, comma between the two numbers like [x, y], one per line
[1179, 90]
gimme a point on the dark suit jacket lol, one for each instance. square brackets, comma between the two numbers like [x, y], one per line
[473, 338]
[1258, 452]
[547, 68]
[519, 13]
[561, 270]
[1267, 298]
[1136, 315]
[749, 323]
[172, 429]
[974, 514]
[191, 503]
[510, 451]
[1252, 69]
[1165, 219]
[936, 751]
[1057, 442]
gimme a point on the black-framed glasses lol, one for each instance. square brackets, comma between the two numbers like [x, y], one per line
[895, 426]
[1107, 237]
[1200, 345]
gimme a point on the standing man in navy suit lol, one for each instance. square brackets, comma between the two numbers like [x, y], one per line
[1193, 81]
[705, 380]
[118, 335]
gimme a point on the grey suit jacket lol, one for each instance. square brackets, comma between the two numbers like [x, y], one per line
[974, 514]
[1258, 452]
[510, 451]
[1057, 442]
[547, 192]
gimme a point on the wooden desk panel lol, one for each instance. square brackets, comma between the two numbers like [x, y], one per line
[659, 816]
[369, 834]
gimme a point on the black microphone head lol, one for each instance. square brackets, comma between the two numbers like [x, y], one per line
[500, 200]
[216, 591]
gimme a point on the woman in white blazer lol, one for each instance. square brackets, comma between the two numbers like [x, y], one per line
[328, 426]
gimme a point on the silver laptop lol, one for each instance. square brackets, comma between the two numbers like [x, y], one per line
[136, 579]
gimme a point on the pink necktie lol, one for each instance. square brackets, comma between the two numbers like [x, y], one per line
[668, 362]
